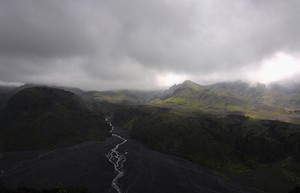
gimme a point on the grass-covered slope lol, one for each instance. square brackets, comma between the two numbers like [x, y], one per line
[41, 117]
[191, 96]
[125, 97]
[257, 101]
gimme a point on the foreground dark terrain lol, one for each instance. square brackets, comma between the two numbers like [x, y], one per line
[86, 165]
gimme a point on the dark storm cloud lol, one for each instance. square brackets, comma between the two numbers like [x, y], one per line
[42, 29]
[98, 44]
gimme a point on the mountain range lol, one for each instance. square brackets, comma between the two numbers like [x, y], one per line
[245, 132]
[274, 102]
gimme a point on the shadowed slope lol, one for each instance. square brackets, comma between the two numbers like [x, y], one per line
[42, 117]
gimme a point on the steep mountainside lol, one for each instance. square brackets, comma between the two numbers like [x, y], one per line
[42, 117]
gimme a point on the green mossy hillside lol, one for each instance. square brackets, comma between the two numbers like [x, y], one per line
[239, 98]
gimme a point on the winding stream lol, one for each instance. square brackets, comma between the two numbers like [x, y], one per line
[117, 159]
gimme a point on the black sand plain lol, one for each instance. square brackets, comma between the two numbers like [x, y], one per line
[86, 165]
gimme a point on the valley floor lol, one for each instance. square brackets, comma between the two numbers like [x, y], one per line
[86, 165]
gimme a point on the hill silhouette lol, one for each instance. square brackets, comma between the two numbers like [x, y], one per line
[41, 118]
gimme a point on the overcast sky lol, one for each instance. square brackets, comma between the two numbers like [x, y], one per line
[146, 44]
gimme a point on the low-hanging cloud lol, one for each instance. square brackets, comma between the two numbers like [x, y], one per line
[97, 44]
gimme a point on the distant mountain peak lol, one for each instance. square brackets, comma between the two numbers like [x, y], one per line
[188, 82]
